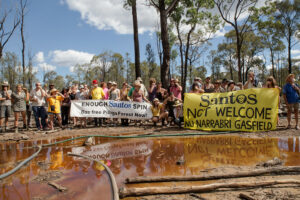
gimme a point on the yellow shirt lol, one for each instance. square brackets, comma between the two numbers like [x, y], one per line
[54, 102]
[97, 93]
[157, 110]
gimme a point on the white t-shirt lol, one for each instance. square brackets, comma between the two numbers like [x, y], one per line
[38, 96]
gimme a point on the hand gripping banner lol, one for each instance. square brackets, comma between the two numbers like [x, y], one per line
[244, 110]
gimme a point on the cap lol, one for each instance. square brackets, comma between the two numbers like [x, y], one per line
[95, 82]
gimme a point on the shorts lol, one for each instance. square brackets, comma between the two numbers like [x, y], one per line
[50, 113]
[293, 105]
[5, 111]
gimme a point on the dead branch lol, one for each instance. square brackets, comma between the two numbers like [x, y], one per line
[126, 192]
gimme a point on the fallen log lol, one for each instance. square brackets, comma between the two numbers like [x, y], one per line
[129, 192]
[258, 172]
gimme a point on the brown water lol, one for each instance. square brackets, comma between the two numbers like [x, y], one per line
[130, 158]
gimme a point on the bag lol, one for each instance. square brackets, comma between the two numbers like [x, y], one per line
[52, 108]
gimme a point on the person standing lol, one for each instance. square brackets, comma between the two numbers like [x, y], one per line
[291, 97]
[19, 99]
[82, 95]
[252, 82]
[175, 88]
[5, 104]
[54, 107]
[37, 97]
[208, 86]
[65, 107]
[97, 94]
[152, 89]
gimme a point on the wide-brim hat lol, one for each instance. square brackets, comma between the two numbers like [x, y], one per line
[177, 103]
[5, 84]
[53, 90]
[137, 83]
[114, 83]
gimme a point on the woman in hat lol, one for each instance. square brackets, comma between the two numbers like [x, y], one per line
[5, 104]
[232, 87]
[138, 95]
[158, 112]
[178, 114]
[65, 107]
[54, 102]
[114, 92]
[19, 99]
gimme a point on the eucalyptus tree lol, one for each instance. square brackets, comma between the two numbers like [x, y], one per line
[165, 9]
[237, 14]
[195, 25]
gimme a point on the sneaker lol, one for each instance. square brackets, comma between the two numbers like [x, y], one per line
[297, 128]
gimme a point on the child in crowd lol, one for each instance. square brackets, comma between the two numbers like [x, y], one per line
[54, 101]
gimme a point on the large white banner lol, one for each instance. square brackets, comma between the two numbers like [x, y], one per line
[111, 109]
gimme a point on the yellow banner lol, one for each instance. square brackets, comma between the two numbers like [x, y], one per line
[244, 110]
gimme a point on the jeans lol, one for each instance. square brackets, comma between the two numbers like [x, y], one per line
[65, 114]
[40, 112]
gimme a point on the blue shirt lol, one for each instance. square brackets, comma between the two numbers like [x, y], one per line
[291, 94]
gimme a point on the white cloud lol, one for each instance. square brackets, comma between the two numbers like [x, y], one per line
[297, 51]
[296, 57]
[46, 67]
[69, 58]
[111, 15]
[39, 57]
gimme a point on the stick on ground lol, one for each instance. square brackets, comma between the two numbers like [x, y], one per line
[126, 192]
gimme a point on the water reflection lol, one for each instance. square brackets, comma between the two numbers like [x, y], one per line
[129, 158]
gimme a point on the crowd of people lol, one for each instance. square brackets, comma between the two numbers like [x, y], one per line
[51, 107]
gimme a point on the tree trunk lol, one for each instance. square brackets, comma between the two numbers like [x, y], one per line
[289, 54]
[1, 50]
[181, 52]
[136, 40]
[272, 61]
[230, 68]
[165, 68]
[238, 54]
[23, 47]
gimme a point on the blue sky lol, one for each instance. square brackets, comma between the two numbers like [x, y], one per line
[61, 33]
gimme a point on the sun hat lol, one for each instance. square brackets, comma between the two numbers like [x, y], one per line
[81, 87]
[177, 103]
[137, 83]
[5, 83]
[53, 90]
[114, 83]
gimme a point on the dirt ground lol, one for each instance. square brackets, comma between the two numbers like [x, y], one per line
[147, 128]
[274, 192]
